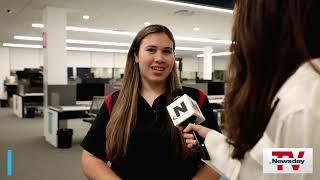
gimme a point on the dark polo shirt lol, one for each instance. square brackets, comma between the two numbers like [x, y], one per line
[151, 154]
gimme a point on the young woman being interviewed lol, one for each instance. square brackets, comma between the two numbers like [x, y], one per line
[138, 137]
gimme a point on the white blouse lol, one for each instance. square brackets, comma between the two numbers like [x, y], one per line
[295, 123]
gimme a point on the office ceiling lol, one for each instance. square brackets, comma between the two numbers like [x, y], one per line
[121, 15]
[227, 4]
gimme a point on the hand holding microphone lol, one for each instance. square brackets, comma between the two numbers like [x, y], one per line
[184, 110]
[190, 138]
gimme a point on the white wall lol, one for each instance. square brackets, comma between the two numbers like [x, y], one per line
[196, 64]
[21, 58]
[200, 65]
[120, 60]
[78, 59]
[96, 59]
[99, 59]
[190, 64]
[220, 63]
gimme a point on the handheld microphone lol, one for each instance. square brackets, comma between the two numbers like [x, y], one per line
[184, 110]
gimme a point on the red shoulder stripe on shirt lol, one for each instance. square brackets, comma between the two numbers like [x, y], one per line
[108, 102]
[202, 97]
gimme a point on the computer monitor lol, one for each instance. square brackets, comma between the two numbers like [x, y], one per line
[83, 72]
[70, 73]
[85, 92]
[215, 88]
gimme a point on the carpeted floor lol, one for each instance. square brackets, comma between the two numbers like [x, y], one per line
[33, 157]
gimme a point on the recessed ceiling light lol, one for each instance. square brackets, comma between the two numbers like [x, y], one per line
[147, 23]
[86, 17]
[196, 29]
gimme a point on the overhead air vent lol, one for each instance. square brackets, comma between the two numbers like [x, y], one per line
[9, 11]
[183, 12]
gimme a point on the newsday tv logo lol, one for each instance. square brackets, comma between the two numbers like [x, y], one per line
[287, 160]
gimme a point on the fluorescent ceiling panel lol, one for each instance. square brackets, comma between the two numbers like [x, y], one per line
[216, 54]
[132, 34]
[195, 6]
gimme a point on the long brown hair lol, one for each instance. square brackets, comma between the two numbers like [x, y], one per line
[271, 39]
[123, 117]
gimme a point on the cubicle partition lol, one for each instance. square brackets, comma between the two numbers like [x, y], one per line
[62, 94]
[57, 118]
[60, 99]
[62, 107]
[25, 105]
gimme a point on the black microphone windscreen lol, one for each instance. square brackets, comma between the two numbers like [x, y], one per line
[177, 93]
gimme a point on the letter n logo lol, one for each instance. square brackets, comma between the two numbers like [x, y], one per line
[178, 109]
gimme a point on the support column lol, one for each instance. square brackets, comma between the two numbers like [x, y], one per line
[207, 63]
[55, 66]
[55, 56]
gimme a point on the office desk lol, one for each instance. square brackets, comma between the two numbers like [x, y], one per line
[22, 101]
[216, 99]
[9, 90]
[55, 118]
[216, 102]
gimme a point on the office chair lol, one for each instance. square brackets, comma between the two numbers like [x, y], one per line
[96, 103]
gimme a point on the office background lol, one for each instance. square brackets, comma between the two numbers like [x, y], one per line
[196, 30]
